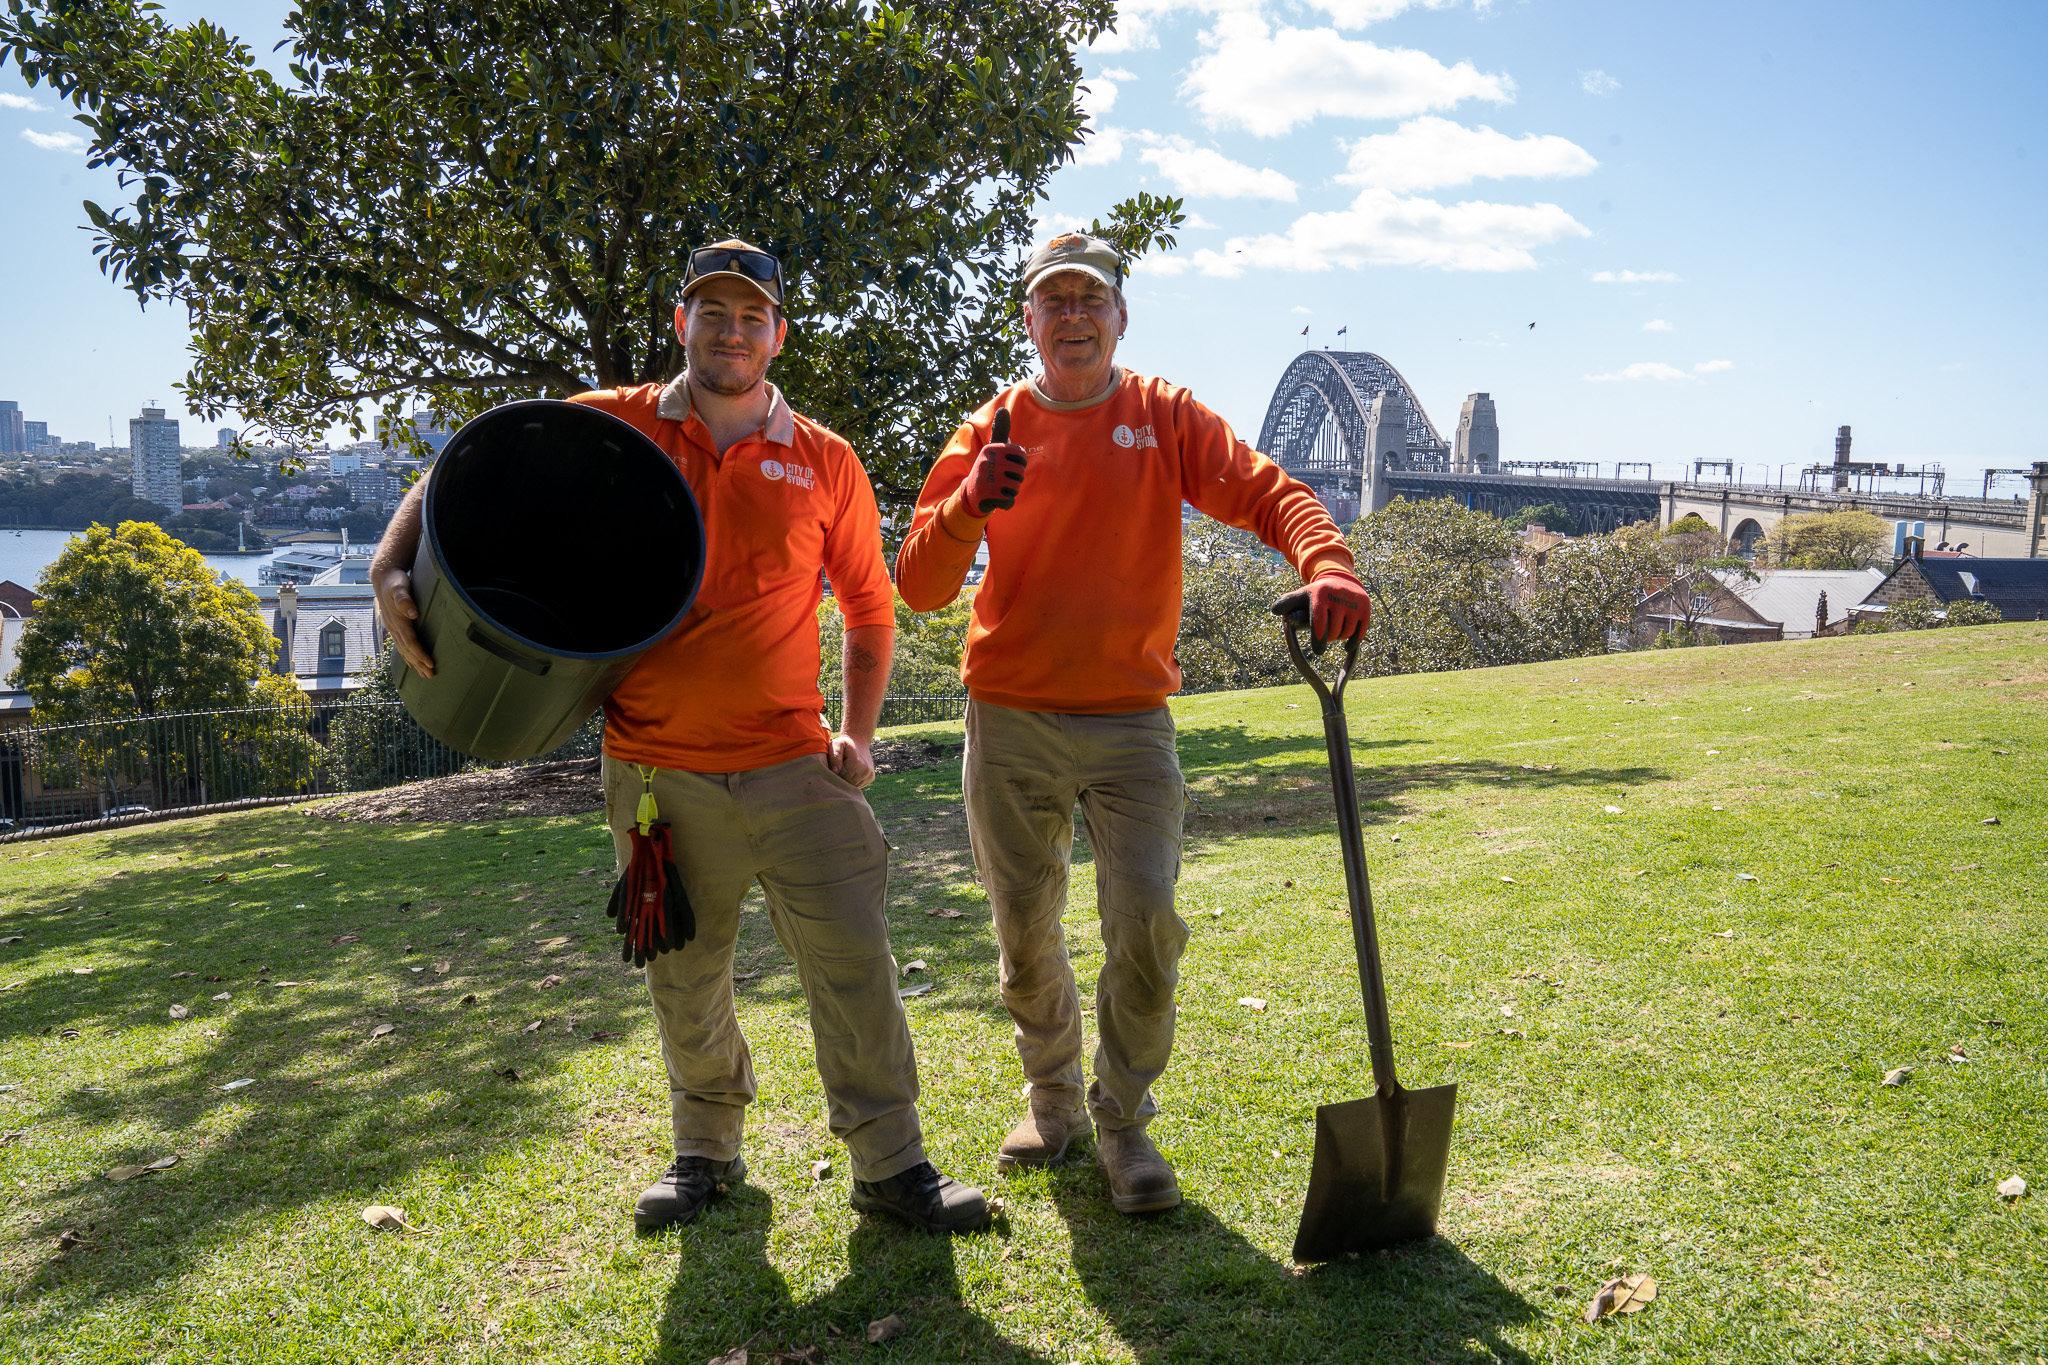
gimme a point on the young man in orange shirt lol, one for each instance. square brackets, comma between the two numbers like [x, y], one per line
[1068, 666]
[720, 722]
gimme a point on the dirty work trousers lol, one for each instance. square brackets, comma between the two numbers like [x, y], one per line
[810, 839]
[1024, 771]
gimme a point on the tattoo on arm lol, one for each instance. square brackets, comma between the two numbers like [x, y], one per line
[863, 659]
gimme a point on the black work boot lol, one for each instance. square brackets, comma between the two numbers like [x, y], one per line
[684, 1189]
[920, 1195]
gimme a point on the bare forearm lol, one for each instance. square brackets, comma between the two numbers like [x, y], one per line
[401, 540]
[869, 650]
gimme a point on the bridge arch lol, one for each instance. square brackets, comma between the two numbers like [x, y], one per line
[1316, 424]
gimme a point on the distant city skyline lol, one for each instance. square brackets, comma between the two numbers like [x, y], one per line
[1735, 229]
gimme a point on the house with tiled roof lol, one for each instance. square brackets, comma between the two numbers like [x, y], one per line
[2017, 587]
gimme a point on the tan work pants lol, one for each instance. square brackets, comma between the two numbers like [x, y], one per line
[1023, 773]
[812, 842]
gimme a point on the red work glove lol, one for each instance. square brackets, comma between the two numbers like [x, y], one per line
[1338, 607]
[997, 473]
[648, 905]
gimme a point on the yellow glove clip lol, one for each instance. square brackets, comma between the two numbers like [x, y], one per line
[648, 811]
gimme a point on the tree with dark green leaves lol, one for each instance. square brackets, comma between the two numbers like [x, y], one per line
[1228, 637]
[455, 203]
[132, 622]
[1551, 516]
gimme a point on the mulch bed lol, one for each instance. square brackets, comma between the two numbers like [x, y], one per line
[572, 788]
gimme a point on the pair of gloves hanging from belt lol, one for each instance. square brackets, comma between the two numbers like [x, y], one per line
[649, 906]
[1335, 601]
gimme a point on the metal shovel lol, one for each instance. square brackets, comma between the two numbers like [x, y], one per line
[1380, 1163]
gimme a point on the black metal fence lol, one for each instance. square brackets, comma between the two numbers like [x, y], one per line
[60, 774]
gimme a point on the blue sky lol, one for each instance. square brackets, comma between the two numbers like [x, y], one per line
[1736, 227]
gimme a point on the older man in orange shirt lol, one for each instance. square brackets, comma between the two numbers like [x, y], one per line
[1068, 666]
[720, 724]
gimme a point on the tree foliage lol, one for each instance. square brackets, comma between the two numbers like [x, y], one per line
[928, 649]
[134, 623]
[458, 203]
[1830, 540]
[1442, 580]
[1228, 638]
[1552, 516]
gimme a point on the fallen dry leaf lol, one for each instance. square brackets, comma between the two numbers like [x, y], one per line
[1744, 877]
[510, 1073]
[386, 1218]
[1723, 933]
[909, 992]
[914, 965]
[736, 1356]
[602, 1035]
[1991, 821]
[13, 938]
[121, 1173]
[81, 971]
[382, 1029]
[532, 1026]
[1458, 1045]
[820, 1169]
[1508, 1011]
[214, 881]
[242, 1084]
[1252, 1003]
[1624, 1294]
[68, 1239]
[548, 945]
[1512, 1033]
[1898, 1077]
[1613, 810]
[469, 999]
[745, 976]
[944, 912]
[443, 967]
[176, 975]
[179, 1012]
[1507, 879]
[2012, 1187]
[881, 1329]
[548, 982]
[224, 995]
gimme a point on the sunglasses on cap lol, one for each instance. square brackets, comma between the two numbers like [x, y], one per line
[716, 260]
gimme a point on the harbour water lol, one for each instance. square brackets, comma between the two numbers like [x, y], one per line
[23, 557]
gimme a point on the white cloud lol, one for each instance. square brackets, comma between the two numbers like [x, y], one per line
[1713, 366]
[1305, 312]
[1267, 81]
[1642, 369]
[11, 101]
[1382, 228]
[1658, 325]
[1102, 146]
[1430, 152]
[1117, 73]
[1197, 221]
[55, 142]
[1098, 96]
[1207, 173]
[1597, 82]
[1634, 277]
[1360, 13]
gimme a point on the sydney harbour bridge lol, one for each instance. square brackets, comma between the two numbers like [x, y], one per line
[1347, 424]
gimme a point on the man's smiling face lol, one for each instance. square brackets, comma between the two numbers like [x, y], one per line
[1074, 320]
[729, 333]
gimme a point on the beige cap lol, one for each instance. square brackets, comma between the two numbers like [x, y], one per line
[1075, 251]
[769, 289]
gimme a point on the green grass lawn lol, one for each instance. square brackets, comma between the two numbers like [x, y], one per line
[1662, 1067]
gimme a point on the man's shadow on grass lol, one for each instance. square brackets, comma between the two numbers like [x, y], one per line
[727, 1294]
[1183, 1286]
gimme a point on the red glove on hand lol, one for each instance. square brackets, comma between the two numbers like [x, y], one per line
[997, 473]
[1338, 607]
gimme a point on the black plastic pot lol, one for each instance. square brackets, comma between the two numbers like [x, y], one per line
[559, 545]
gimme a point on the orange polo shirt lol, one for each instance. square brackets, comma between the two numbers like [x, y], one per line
[736, 685]
[1081, 604]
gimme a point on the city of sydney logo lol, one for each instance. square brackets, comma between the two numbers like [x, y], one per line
[1141, 439]
[800, 475]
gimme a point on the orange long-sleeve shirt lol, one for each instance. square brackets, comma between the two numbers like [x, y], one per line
[736, 685]
[1081, 604]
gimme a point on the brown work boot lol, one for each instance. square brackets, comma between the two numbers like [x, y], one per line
[1140, 1181]
[1041, 1138]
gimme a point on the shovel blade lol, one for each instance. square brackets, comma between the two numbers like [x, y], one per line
[1378, 1177]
